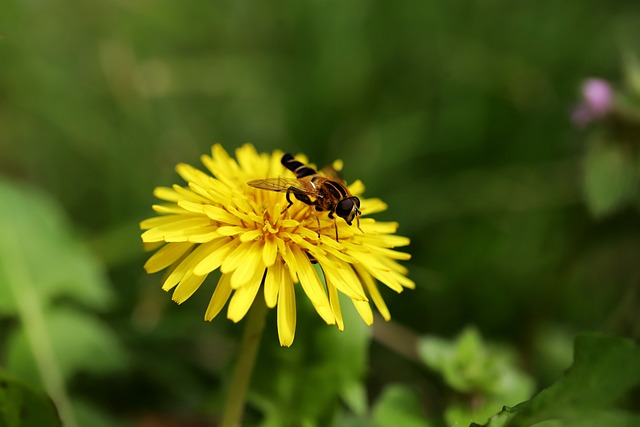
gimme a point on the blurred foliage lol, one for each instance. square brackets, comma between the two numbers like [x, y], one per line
[454, 113]
[605, 369]
[22, 406]
[487, 375]
[610, 177]
[612, 163]
[47, 281]
[398, 406]
[302, 386]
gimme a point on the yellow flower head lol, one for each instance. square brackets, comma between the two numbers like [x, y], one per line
[218, 221]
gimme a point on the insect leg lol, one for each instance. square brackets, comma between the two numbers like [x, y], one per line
[304, 198]
[318, 221]
[300, 196]
[335, 223]
[289, 191]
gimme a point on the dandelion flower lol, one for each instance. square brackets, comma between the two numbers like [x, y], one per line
[219, 222]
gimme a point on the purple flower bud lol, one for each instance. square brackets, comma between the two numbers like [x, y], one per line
[598, 96]
[597, 102]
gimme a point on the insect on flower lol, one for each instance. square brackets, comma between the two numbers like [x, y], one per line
[218, 223]
[309, 187]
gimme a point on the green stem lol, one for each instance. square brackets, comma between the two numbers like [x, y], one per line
[247, 353]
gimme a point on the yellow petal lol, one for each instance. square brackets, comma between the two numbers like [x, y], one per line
[186, 266]
[388, 253]
[176, 227]
[312, 286]
[343, 278]
[338, 253]
[371, 206]
[187, 286]
[385, 277]
[270, 251]
[152, 246]
[166, 193]
[248, 236]
[231, 230]
[243, 298]
[236, 258]
[202, 191]
[219, 214]
[392, 279]
[215, 257]
[286, 312]
[385, 240]
[275, 167]
[373, 291]
[250, 160]
[169, 209]
[404, 281]
[202, 235]
[357, 187]
[219, 298]
[191, 174]
[166, 256]
[335, 305]
[221, 165]
[289, 259]
[163, 220]
[392, 265]
[364, 309]
[275, 276]
[188, 194]
[191, 206]
[252, 261]
[370, 260]
[220, 191]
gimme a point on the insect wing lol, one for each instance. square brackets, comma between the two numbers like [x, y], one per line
[334, 171]
[281, 185]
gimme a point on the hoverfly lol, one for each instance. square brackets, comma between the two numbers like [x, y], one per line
[313, 189]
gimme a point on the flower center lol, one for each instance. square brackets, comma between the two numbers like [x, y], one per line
[268, 228]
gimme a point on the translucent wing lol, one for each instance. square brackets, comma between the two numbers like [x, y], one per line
[281, 185]
[334, 171]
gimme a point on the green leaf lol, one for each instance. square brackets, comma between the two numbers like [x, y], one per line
[40, 262]
[398, 406]
[37, 238]
[463, 362]
[604, 369]
[596, 419]
[354, 396]
[610, 177]
[23, 406]
[486, 373]
[80, 343]
[468, 364]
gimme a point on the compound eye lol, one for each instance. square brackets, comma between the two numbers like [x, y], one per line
[355, 199]
[344, 208]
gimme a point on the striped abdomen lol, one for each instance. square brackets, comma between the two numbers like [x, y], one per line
[299, 168]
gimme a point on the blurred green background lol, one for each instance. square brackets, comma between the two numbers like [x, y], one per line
[455, 113]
